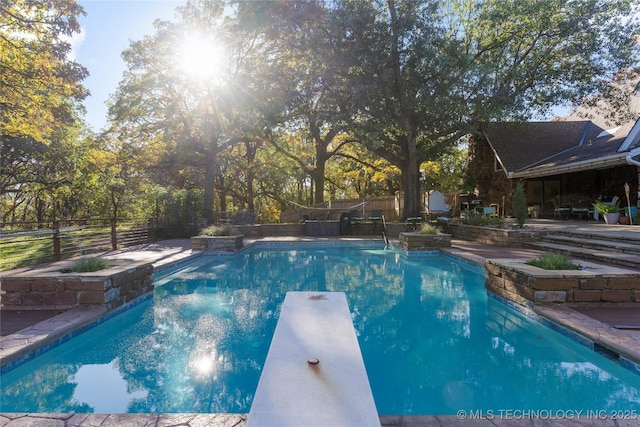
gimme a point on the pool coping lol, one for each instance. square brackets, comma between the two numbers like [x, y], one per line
[564, 319]
[462, 418]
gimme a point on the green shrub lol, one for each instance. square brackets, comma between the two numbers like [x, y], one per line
[90, 264]
[553, 261]
[519, 204]
[483, 221]
[215, 230]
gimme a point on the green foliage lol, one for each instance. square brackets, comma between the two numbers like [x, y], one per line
[444, 173]
[519, 205]
[554, 261]
[88, 265]
[40, 87]
[215, 230]
[483, 221]
[604, 208]
[316, 99]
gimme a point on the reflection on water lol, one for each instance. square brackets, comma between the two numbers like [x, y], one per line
[432, 342]
[102, 388]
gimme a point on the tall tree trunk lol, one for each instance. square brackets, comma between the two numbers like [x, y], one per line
[411, 184]
[223, 196]
[209, 187]
[250, 193]
[318, 179]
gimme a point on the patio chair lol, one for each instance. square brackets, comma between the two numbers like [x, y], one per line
[356, 215]
[560, 211]
[489, 211]
[414, 223]
[376, 215]
[580, 209]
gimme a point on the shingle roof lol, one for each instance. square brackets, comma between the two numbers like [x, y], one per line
[546, 148]
[518, 145]
[597, 145]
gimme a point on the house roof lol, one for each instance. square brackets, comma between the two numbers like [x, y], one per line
[534, 149]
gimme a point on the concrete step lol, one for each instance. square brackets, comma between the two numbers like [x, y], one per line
[594, 242]
[631, 260]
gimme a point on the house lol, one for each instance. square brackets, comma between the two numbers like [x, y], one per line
[564, 160]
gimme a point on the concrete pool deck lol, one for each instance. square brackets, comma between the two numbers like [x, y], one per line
[596, 324]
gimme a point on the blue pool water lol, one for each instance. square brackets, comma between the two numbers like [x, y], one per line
[432, 342]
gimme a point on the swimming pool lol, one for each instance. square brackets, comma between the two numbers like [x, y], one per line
[431, 339]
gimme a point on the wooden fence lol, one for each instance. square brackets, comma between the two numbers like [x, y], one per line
[29, 243]
[332, 210]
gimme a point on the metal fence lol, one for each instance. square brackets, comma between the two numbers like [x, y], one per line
[29, 243]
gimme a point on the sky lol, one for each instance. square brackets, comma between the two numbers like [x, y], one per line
[106, 30]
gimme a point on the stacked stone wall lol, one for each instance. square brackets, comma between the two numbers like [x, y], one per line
[110, 288]
[493, 185]
[423, 242]
[217, 243]
[492, 236]
[527, 285]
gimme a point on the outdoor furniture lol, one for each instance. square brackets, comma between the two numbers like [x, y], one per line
[376, 215]
[580, 209]
[356, 216]
[469, 201]
[489, 211]
[560, 211]
[413, 223]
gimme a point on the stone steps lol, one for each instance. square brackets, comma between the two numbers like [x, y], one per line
[595, 242]
[595, 247]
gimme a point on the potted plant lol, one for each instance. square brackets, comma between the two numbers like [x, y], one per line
[611, 213]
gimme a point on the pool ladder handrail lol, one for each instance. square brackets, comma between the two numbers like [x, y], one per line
[384, 231]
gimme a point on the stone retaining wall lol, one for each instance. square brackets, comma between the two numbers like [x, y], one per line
[217, 243]
[52, 289]
[297, 229]
[423, 242]
[595, 285]
[262, 230]
[492, 236]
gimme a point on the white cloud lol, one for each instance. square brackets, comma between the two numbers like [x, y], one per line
[76, 42]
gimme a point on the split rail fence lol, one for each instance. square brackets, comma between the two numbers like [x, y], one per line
[29, 243]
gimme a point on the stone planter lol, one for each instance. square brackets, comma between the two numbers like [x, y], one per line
[594, 285]
[49, 287]
[423, 242]
[217, 243]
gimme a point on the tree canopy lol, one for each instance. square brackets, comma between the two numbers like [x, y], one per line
[39, 86]
[40, 91]
[250, 105]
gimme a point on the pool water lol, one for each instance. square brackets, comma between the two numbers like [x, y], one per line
[432, 342]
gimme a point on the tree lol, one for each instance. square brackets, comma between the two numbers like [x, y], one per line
[171, 94]
[519, 205]
[40, 88]
[423, 73]
[292, 68]
[40, 91]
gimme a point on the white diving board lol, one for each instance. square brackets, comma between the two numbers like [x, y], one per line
[293, 389]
